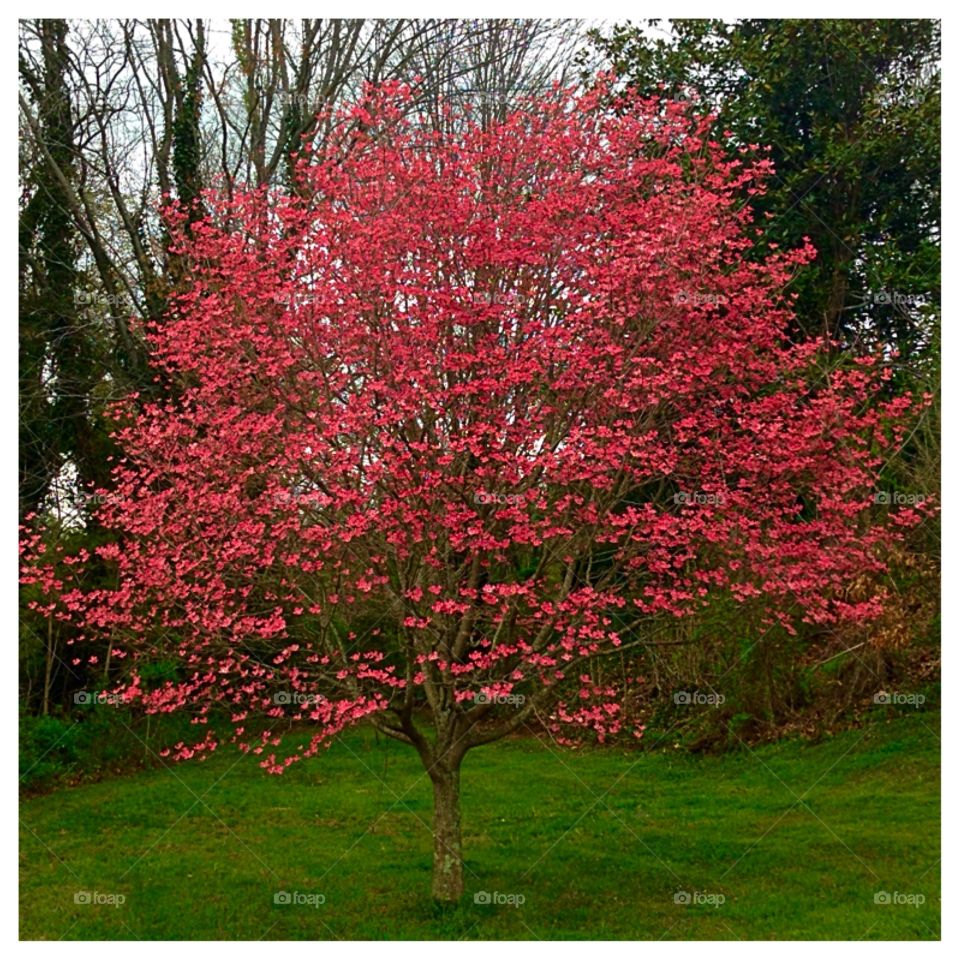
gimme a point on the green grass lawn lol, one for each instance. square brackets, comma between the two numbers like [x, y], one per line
[796, 839]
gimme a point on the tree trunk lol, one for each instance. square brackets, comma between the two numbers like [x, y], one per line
[447, 844]
[48, 667]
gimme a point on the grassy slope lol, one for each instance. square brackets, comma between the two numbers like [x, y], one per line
[797, 838]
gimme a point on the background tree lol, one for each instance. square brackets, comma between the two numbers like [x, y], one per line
[57, 352]
[118, 115]
[850, 112]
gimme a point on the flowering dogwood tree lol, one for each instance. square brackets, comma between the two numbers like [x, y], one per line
[460, 413]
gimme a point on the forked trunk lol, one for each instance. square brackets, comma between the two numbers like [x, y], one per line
[447, 844]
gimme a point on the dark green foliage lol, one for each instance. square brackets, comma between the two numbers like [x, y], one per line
[187, 142]
[92, 740]
[48, 750]
[59, 365]
[850, 110]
